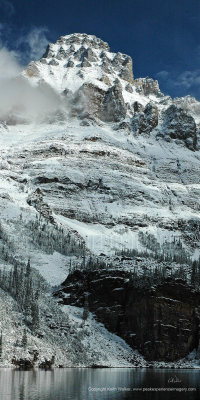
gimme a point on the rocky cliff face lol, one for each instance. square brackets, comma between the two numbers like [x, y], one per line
[98, 85]
[161, 322]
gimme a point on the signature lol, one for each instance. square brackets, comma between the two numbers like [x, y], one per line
[174, 379]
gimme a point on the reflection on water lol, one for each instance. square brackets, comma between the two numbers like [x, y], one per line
[98, 384]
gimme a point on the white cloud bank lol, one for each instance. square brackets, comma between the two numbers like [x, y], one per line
[20, 102]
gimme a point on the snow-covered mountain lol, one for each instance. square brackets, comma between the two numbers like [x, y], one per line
[95, 161]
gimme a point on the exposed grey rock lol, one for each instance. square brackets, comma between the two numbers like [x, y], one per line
[126, 74]
[53, 62]
[147, 86]
[129, 88]
[145, 121]
[72, 48]
[80, 73]
[114, 106]
[32, 70]
[138, 107]
[85, 122]
[85, 63]
[117, 60]
[89, 55]
[49, 52]
[78, 55]
[61, 54]
[43, 61]
[105, 79]
[70, 64]
[106, 67]
[125, 126]
[151, 115]
[107, 105]
[178, 124]
[88, 98]
[83, 38]
[127, 70]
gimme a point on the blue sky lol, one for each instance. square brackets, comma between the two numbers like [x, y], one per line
[162, 36]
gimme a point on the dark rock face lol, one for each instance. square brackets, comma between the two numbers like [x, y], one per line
[114, 108]
[178, 124]
[144, 121]
[162, 323]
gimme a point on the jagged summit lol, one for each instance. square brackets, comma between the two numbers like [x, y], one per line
[83, 39]
[96, 85]
[80, 57]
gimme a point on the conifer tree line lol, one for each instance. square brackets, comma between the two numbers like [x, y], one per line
[52, 238]
[174, 267]
[18, 282]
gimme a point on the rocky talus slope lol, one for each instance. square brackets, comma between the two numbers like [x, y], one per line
[111, 164]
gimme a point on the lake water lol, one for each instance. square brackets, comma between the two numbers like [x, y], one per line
[99, 384]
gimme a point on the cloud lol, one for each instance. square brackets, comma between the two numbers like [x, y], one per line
[9, 64]
[186, 80]
[20, 101]
[35, 42]
[7, 7]
[162, 75]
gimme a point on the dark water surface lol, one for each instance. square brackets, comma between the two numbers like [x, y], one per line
[99, 384]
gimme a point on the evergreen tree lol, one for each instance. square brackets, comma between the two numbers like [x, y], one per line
[193, 274]
[28, 269]
[1, 344]
[86, 309]
[24, 338]
[35, 316]
[28, 296]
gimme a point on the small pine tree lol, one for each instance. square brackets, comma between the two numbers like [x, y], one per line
[1, 344]
[24, 338]
[28, 296]
[35, 316]
[28, 269]
[193, 274]
[86, 309]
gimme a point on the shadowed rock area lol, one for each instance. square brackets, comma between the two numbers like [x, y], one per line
[162, 322]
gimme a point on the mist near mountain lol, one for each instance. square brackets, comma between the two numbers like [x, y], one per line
[22, 102]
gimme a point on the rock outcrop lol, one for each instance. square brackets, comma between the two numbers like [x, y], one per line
[162, 322]
[103, 89]
[147, 86]
[92, 102]
[144, 121]
[178, 124]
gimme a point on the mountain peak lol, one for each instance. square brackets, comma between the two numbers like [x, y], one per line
[96, 85]
[71, 43]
